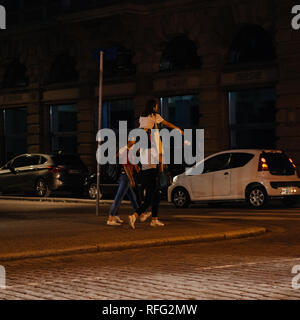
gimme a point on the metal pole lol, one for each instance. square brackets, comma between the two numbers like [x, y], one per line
[99, 127]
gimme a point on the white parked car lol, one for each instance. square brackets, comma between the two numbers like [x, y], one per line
[234, 175]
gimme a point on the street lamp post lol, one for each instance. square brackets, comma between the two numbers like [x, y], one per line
[99, 127]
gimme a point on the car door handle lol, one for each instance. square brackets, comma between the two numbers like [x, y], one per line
[226, 173]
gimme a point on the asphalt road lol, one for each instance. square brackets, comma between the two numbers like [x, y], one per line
[252, 268]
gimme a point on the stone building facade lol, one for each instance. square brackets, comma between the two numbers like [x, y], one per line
[229, 67]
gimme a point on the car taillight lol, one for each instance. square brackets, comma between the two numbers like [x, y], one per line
[262, 164]
[54, 169]
[291, 161]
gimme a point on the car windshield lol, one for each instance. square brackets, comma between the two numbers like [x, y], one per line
[67, 159]
[279, 164]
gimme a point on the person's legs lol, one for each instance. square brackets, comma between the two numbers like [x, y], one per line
[133, 199]
[148, 178]
[122, 189]
[155, 205]
[148, 184]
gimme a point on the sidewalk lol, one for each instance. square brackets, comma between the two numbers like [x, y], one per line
[34, 234]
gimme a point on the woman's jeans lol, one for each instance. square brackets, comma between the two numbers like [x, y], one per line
[124, 188]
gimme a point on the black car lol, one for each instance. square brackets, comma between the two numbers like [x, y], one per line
[109, 185]
[40, 174]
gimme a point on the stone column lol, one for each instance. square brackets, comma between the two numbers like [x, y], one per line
[34, 124]
[87, 126]
[288, 88]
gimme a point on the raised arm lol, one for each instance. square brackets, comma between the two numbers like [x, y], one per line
[171, 125]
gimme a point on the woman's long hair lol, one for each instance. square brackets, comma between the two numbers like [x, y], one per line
[149, 108]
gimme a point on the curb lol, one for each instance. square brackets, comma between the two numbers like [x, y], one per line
[66, 200]
[69, 200]
[243, 233]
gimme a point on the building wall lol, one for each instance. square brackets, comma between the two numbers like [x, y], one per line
[145, 29]
[288, 93]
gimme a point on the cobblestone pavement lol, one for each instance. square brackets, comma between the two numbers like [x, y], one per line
[198, 271]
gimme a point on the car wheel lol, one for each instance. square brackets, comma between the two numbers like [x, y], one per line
[41, 188]
[181, 198]
[257, 197]
[290, 201]
[93, 191]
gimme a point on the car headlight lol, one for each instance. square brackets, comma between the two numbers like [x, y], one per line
[175, 179]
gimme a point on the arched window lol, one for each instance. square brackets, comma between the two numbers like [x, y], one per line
[15, 75]
[252, 44]
[117, 61]
[63, 69]
[179, 53]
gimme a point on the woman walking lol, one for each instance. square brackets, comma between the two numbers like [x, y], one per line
[150, 169]
[126, 185]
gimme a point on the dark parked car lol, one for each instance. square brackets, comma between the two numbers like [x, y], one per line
[109, 186]
[40, 174]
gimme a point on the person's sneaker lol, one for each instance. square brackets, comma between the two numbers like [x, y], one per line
[132, 219]
[156, 223]
[118, 219]
[145, 216]
[113, 223]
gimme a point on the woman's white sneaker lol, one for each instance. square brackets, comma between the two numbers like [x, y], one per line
[113, 223]
[131, 220]
[145, 216]
[118, 219]
[156, 223]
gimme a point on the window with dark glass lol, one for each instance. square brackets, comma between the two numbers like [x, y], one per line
[33, 160]
[183, 111]
[239, 160]
[63, 127]
[117, 60]
[118, 110]
[252, 118]
[20, 162]
[13, 136]
[252, 44]
[15, 75]
[217, 163]
[180, 53]
[63, 69]
[43, 160]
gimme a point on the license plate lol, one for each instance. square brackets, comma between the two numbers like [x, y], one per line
[289, 190]
[74, 171]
